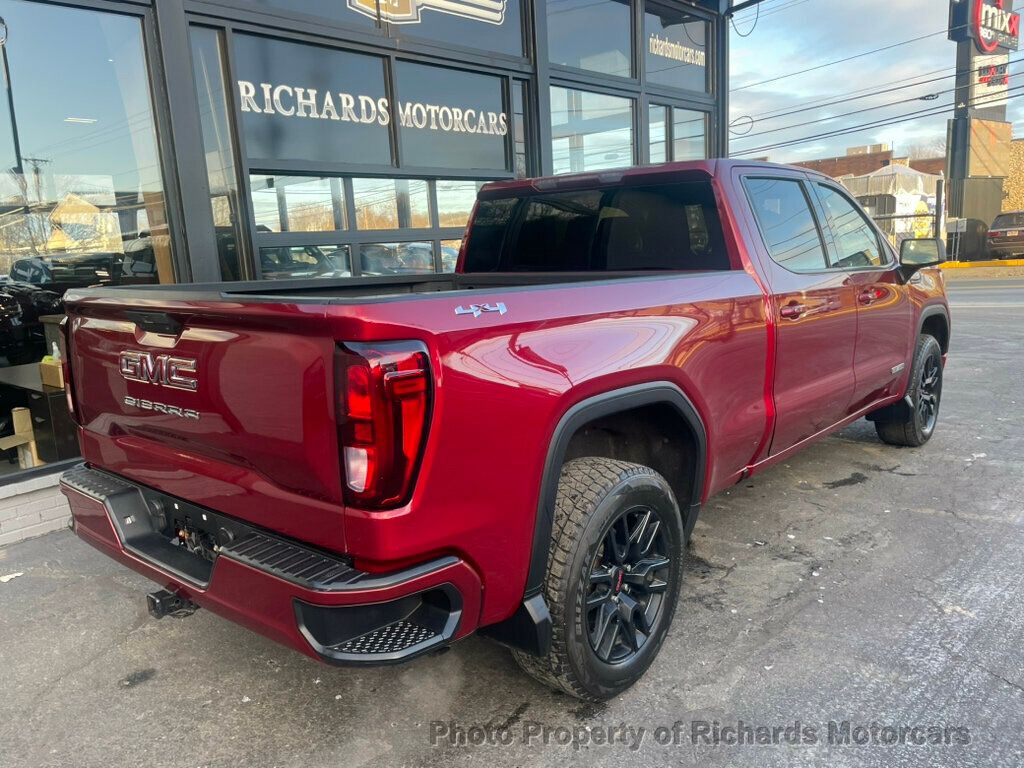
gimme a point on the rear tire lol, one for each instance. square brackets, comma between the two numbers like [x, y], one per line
[925, 390]
[614, 574]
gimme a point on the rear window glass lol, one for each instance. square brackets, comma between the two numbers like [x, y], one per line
[1007, 220]
[662, 227]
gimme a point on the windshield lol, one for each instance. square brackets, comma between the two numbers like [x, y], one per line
[1008, 220]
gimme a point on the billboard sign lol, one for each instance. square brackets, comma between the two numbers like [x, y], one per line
[991, 24]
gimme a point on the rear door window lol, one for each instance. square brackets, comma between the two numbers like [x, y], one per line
[656, 227]
[787, 225]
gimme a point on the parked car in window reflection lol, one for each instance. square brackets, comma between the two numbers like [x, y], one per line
[22, 338]
[283, 262]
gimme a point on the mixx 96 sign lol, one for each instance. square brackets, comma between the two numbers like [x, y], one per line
[991, 24]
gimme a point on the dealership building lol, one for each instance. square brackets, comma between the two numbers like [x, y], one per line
[205, 140]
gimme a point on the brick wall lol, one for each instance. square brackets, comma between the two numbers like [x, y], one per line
[1013, 186]
[933, 165]
[31, 508]
[854, 164]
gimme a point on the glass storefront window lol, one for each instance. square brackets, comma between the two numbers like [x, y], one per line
[689, 135]
[492, 25]
[391, 203]
[450, 254]
[82, 199]
[591, 34]
[675, 49]
[81, 195]
[658, 134]
[450, 119]
[396, 258]
[297, 203]
[590, 131]
[208, 68]
[311, 103]
[304, 261]
[455, 201]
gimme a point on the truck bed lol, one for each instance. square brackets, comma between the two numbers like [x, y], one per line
[351, 290]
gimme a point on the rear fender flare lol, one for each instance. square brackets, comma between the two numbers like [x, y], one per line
[529, 628]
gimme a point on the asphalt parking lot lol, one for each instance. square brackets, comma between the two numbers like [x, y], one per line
[856, 584]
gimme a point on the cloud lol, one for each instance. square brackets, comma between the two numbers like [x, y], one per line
[801, 36]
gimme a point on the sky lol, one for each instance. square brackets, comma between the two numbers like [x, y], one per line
[794, 35]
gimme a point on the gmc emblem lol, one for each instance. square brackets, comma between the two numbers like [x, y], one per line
[162, 370]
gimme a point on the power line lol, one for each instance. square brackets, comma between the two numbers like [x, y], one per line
[858, 94]
[866, 126]
[838, 61]
[933, 95]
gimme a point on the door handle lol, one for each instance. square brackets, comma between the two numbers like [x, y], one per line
[870, 295]
[792, 311]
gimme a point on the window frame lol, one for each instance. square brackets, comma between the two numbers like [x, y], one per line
[812, 207]
[889, 260]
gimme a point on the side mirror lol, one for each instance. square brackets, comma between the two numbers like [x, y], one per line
[925, 252]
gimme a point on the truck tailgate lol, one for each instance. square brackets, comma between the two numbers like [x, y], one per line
[228, 403]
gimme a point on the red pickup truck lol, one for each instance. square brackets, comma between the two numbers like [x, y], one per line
[370, 469]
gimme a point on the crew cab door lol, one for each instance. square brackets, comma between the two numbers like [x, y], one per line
[884, 311]
[814, 310]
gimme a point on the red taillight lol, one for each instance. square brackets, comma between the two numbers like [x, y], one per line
[383, 413]
[993, 234]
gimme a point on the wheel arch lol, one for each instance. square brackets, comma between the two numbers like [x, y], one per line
[934, 321]
[530, 626]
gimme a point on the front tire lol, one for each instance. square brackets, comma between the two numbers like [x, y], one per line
[614, 574]
[925, 390]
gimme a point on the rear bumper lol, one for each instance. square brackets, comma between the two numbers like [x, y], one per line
[1005, 248]
[311, 601]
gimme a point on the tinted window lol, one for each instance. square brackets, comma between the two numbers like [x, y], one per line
[670, 227]
[311, 103]
[450, 119]
[787, 225]
[676, 49]
[490, 225]
[855, 240]
[591, 34]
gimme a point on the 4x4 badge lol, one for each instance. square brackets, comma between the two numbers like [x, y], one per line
[478, 309]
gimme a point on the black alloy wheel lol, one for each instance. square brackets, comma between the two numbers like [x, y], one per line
[627, 585]
[929, 389]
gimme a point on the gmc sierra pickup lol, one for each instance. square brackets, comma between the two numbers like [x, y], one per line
[369, 469]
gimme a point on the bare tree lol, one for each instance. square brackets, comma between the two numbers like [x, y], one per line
[927, 148]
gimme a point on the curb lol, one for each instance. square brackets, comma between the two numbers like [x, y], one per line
[990, 263]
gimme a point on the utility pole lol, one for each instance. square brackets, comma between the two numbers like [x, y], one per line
[18, 164]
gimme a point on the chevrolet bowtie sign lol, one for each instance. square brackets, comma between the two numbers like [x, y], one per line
[409, 11]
